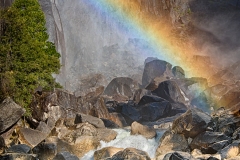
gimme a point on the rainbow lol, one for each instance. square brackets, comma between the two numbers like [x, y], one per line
[156, 32]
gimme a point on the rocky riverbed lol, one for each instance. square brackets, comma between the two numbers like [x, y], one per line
[184, 118]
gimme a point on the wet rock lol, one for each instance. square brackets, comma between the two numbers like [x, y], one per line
[172, 142]
[139, 93]
[51, 106]
[196, 153]
[20, 148]
[118, 119]
[31, 137]
[178, 156]
[230, 151]
[147, 132]
[45, 150]
[122, 86]
[130, 113]
[106, 152]
[227, 120]
[155, 82]
[131, 154]
[18, 156]
[2, 145]
[177, 108]
[191, 123]
[149, 99]
[106, 135]
[170, 91]
[109, 124]
[65, 156]
[156, 110]
[83, 129]
[155, 68]
[210, 142]
[178, 72]
[97, 122]
[10, 113]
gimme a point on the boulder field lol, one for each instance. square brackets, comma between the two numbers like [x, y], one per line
[199, 121]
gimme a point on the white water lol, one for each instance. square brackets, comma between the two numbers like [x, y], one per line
[125, 140]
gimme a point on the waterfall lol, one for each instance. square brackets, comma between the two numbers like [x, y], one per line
[125, 140]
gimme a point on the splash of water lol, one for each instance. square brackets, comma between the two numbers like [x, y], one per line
[125, 140]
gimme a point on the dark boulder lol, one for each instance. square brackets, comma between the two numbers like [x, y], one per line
[118, 119]
[65, 156]
[149, 99]
[16, 156]
[230, 151]
[139, 93]
[178, 108]
[179, 156]
[122, 86]
[20, 148]
[227, 120]
[10, 113]
[170, 91]
[45, 150]
[130, 113]
[156, 110]
[170, 142]
[191, 123]
[155, 68]
[109, 124]
[155, 82]
[178, 72]
[210, 142]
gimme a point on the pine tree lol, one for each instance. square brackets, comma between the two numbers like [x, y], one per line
[27, 59]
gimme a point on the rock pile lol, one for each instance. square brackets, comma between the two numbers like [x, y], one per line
[67, 125]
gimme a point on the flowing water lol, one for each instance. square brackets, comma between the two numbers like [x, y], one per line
[125, 140]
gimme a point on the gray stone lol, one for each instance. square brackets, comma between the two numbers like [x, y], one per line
[20, 148]
[155, 110]
[210, 142]
[155, 68]
[131, 154]
[31, 137]
[45, 150]
[65, 156]
[191, 123]
[18, 156]
[170, 91]
[97, 122]
[10, 113]
[147, 132]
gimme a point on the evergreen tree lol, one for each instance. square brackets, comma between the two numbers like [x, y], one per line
[27, 59]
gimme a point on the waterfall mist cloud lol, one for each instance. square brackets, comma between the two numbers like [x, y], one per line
[217, 30]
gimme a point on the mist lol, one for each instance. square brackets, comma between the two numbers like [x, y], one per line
[217, 30]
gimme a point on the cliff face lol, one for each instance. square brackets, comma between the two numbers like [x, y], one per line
[90, 40]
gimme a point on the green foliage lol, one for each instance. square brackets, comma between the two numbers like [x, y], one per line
[27, 59]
